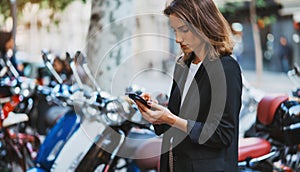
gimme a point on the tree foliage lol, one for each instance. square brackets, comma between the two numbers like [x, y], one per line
[239, 10]
[55, 5]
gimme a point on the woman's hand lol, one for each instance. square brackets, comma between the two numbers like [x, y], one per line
[147, 97]
[157, 114]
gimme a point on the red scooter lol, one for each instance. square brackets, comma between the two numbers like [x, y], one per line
[278, 122]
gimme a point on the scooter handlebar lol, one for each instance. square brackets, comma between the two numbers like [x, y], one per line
[292, 127]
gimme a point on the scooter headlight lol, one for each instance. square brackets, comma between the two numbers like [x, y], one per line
[115, 112]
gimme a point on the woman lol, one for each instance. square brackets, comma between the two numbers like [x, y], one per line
[6, 42]
[200, 125]
[285, 54]
[6, 46]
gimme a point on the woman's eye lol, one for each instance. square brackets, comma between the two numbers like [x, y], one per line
[184, 29]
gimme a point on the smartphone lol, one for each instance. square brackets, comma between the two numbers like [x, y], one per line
[136, 97]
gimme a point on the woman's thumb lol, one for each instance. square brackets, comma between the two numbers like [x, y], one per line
[153, 105]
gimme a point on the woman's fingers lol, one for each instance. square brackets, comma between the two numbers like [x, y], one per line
[146, 96]
[148, 114]
[141, 106]
[154, 105]
[156, 115]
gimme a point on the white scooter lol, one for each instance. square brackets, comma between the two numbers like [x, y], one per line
[74, 150]
[96, 129]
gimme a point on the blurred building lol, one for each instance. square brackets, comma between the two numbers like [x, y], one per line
[275, 18]
[36, 32]
[152, 43]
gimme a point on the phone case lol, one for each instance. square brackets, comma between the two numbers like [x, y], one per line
[136, 97]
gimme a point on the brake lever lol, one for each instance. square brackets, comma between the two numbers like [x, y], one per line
[50, 68]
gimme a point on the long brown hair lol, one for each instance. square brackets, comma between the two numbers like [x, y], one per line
[205, 19]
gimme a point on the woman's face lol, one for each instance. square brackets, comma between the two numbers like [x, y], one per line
[57, 65]
[9, 44]
[187, 40]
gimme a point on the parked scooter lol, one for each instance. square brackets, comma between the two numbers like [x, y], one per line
[89, 128]
[63, 129]
[109, 148]
[102, 151]
[278, 122]
[17, 146]
[34, 100]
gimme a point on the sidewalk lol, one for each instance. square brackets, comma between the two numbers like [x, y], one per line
[270, 82]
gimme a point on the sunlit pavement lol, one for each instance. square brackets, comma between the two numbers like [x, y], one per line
[270, 82]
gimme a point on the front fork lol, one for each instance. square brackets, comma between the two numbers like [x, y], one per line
[103, 151]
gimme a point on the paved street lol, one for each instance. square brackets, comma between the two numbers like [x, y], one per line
[270, 82]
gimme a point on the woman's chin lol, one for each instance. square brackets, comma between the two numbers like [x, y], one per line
[187, 50]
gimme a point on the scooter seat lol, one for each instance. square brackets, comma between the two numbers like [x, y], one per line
[14, 118]
[147, 155]
[252, 147]
[267, 107]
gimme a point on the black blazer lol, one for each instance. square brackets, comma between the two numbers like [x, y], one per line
[211, 106]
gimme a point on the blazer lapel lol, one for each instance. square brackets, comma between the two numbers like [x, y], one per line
[192, 98]
[179, 79]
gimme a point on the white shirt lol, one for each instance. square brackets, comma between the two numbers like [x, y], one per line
[192, 72]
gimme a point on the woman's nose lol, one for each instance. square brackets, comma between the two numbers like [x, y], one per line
[179, 38]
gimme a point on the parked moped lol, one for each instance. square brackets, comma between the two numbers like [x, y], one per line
[63, 129]
[278, 122]
[109, 141]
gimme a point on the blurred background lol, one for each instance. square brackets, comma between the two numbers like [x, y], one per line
[117, 35]
[129, 43]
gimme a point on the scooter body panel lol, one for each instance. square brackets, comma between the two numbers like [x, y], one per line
[77, 146]
[36, 169]
[56, 139]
